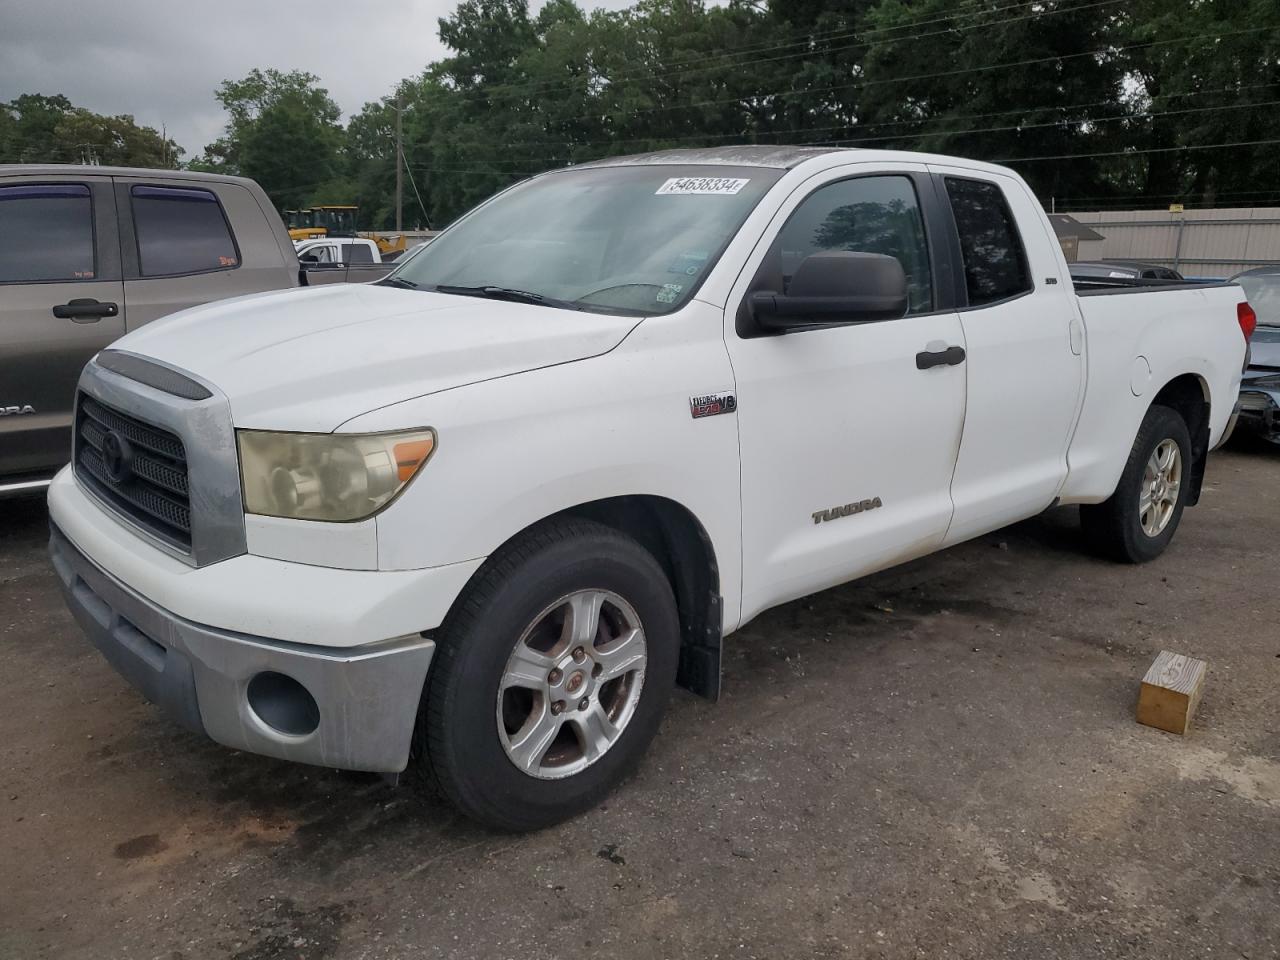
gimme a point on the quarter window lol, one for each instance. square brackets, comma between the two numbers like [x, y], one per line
[181, 230]
[862, 215]
[46, 233]
[995, 265]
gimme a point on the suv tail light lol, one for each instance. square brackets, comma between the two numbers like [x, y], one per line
[1248, 319]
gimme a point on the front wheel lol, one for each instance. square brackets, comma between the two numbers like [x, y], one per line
[550, 677]
[1137, 522]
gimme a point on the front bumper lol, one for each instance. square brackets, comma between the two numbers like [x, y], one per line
[1259, 410]
[362, 701]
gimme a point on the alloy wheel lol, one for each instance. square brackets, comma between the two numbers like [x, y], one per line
[571, 684]
[1161, 482]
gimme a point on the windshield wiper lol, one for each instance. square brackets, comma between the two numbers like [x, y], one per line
[506, 293]
[398, 282]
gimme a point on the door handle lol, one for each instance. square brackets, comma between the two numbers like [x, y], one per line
[85, 310]
[937, 358]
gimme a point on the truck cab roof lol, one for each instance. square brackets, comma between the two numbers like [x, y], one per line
[90, 170]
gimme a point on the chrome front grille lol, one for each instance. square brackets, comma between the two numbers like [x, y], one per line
[137, 468]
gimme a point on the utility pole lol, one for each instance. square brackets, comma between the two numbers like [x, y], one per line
[399, 162]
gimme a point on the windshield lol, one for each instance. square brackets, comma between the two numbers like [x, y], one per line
[627, 239]
[1262, 290]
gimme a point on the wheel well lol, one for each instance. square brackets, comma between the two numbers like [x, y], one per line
[1188, 396]
[677, 540]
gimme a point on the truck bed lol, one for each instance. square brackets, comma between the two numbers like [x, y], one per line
[1100, 286]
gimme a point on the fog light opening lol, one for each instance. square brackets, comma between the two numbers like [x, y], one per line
[283, 704]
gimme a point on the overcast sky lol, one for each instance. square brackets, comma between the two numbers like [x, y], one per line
[161, 61]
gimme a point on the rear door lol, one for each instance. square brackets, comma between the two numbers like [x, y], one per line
[61, 301]
[1024, 340]
[188, 242]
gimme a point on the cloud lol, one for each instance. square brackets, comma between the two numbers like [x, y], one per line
[161, 61]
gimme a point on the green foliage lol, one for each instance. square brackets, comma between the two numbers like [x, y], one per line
[282, 130]
[40, 129]
[1096, 102]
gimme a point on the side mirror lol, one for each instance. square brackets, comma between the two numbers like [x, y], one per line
[835, 286]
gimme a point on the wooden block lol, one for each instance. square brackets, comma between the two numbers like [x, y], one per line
[1171, 692]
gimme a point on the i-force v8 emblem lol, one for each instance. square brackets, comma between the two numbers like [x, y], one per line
[712, 405]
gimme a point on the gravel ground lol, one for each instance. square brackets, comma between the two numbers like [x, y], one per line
[938, 761]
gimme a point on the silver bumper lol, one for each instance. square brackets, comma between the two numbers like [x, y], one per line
[351, 708]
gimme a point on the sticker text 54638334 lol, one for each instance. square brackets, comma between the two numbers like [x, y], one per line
[726, 186]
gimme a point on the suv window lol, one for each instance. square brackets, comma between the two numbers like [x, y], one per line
[46, 233]
[181, 230]
[995, 265]
[862, 215]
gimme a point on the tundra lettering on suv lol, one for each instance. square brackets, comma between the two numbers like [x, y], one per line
[477, 520]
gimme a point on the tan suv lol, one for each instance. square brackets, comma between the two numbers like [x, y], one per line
[90, 253]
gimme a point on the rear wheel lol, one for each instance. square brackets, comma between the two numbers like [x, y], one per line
[1137, 522]
[550, 677]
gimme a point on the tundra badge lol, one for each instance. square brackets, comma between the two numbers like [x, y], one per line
[15, 411]
[835, 513]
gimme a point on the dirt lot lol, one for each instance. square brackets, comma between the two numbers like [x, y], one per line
[940, 761]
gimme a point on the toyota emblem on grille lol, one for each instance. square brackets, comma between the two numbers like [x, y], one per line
[117, 457]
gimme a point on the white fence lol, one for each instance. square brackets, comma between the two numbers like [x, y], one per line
[1196, 243]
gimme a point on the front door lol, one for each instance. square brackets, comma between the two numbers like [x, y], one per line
[847, 443]
[61, 301]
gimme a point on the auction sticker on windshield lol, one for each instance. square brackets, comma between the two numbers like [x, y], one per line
[702, 185]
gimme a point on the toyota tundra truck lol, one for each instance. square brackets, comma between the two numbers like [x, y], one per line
[477, 520]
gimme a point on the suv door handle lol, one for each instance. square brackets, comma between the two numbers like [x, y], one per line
[85, 310]
[937, 358]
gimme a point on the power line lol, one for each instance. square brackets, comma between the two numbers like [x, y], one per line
[966, 70]
[699, 139]
[1128, 153]
[974, 9]
[540, 87]
[1167, 196]
[923, 134]
[1055, 123]
[787, 94]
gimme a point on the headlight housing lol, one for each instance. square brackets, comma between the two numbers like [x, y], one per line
[338, 477]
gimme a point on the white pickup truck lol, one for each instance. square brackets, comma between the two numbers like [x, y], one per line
[479, 518]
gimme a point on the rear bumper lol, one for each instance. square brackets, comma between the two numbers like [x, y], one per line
[362, 701]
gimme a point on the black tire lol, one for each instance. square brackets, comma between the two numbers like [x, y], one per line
[1114, 527]
[457, 738]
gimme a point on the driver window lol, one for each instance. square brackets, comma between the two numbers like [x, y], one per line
[863, 215]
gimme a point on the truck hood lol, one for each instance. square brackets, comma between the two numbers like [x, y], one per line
[312, 359]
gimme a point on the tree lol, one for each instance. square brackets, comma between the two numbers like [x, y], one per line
[49, 129]
[289, 150]
[286, 98]
[1200, 75]
[995, 84]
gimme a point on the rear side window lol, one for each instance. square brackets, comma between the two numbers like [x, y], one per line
[46, 233]
[181, 230]
[356, 253]
[995, 265]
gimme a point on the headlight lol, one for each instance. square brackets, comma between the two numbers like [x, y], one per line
[328, 476]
